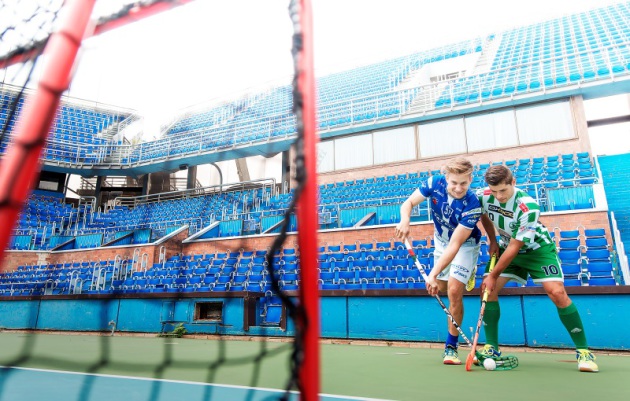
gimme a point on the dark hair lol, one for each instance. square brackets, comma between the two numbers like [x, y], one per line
[499, 174]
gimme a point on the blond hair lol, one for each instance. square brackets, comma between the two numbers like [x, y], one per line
[458, 165]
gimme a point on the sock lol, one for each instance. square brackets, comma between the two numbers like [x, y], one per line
[451, 340]
[570, 317]
[491, 323]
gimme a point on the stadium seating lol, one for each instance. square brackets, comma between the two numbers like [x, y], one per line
[77, 135]
[551, 54]
[558, 53]
[368, 202]
[365, 266]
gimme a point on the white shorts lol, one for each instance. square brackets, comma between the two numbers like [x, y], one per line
[464, 263]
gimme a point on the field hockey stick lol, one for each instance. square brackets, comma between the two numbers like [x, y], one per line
[502, 363]
[423, 273]
[484, 300]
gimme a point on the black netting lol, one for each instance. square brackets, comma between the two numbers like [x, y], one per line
[24, 33]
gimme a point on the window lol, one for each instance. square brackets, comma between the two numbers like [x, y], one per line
[325, 156]
[545, 123]
[48, 185]
[209, 311]
[394, 145]
[490, 131]
[442, 138]
[353, 151]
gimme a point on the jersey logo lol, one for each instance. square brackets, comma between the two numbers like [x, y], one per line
[447, 211]
[523, 207]
[506, 213]
[487, 192]
[434, 201]
[472, 211]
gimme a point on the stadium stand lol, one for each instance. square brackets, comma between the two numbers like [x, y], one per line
[366, 266]
[79, 136]
[615, 171]
[562, 53]
[365, 202]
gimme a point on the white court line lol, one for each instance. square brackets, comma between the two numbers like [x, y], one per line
[345, 397]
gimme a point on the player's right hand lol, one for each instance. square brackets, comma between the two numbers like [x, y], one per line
[493, 248]
[488, 284]
[402, 230]
[432, 285]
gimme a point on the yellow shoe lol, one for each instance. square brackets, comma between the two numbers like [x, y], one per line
[586, 361]
[488, 351]
[451, 357]
[470, 285]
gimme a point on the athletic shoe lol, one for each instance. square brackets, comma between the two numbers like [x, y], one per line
[450, 356]
[586, 361]
[488, 351]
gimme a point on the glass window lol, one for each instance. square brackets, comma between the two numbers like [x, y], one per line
[442, 138]
[353, 151]
[394, 145]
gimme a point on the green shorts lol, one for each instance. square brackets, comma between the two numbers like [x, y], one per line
[541, 264]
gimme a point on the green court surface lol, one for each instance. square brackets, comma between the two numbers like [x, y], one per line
[99, 368]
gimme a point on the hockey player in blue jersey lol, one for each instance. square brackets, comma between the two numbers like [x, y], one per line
[455, 210]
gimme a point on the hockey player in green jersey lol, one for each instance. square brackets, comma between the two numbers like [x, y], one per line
[525, 248]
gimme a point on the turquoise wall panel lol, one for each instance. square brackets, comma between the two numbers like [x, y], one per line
[511, 325]
[604, 318]
[388, 318]
[334, 322]
[78, 315]
[530, 320]
[19, 314]
[422, 319]
[269, 221]
[139, 314]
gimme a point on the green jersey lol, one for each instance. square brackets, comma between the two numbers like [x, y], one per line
[517, 218]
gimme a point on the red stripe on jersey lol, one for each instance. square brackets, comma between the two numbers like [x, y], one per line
[523, 207]
[487, 191]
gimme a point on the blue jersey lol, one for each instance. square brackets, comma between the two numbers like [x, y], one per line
[448, 212]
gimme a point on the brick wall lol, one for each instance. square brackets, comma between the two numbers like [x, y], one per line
[571, 221]
[13, 259]
[173, 246]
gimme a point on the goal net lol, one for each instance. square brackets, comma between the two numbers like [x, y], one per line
[39, 46]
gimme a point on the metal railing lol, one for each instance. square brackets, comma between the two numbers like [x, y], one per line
[341, 113]
[194, 225]
[263, 183]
